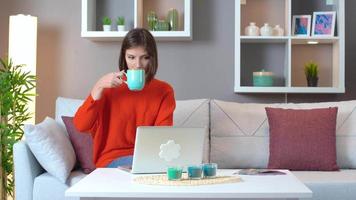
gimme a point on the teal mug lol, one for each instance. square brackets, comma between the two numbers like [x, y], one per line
[135, 79]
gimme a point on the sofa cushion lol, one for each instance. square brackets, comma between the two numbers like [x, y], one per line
[82, 144]
[329, 185]
[194, 113]
[240, 132]
[66, 107]
[48, 187]
[302, 139]
[51, 147]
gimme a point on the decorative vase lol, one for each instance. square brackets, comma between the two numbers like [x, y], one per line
[106, 27]
[161, 25]
[266, 30]
[312, 81]
[151, 20]
[172, 19]
[278, 31]
[120, 27]
[252, 30]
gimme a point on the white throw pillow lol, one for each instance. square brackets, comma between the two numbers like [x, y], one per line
[51, 147]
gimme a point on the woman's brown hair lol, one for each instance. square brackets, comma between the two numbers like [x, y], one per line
[140, 37]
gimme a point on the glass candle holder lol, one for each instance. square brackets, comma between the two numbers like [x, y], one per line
[209, 170]
[174, 173]
[194, 171]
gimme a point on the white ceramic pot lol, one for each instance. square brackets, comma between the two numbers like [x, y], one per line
[278, 31]
[252, 30]
[120, 27]
[106, 27]
[266, 30]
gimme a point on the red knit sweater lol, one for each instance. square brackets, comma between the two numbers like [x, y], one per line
[112, 120]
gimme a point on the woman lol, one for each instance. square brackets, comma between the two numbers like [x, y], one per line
[112, 112]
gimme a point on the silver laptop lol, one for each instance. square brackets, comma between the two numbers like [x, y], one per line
[158, 147]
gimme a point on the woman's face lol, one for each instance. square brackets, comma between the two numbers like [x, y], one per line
[137, 58]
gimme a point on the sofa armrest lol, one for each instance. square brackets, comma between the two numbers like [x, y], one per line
[26, 169]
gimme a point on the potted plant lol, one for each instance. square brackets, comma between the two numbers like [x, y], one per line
[106, 23]
[311, 71]
[16, 86]
[120, 23]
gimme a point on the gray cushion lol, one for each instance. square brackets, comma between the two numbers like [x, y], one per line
[48, 187]
[51, 147]
[66, 107]
[194, 113]
[330, 185]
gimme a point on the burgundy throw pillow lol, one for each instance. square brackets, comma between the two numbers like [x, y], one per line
[302, 139]
[82, 144]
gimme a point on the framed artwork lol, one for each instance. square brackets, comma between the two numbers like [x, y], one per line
[323, 23]
[301, 25]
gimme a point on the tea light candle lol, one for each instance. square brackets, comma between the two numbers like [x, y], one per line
[194, 171]
[209, 170]
[174, 173]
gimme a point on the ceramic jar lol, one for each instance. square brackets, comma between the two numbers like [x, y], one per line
[278, 31]
[151, 20]
[162, 25]
[106, 27]
[172, 19]
[252, 30]
[266, 30]
[120, 27]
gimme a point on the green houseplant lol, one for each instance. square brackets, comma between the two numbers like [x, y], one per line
[311, 71]
[106, 23]
[120, 23]
[16, 88]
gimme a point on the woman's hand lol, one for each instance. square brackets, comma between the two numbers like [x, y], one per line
[110, 80]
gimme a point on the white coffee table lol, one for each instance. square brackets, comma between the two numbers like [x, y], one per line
[110, 183]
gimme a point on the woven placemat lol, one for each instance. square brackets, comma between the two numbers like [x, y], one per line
[162, 180]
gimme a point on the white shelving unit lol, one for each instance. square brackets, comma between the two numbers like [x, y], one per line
[285, 55]
[137, 12]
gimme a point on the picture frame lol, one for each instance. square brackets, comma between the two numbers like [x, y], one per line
[324, 24]
[301, 25]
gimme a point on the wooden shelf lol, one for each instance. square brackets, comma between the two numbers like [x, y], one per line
[314, 40]
[251, 89]
[263, 39]
[135, 12]
[286, 55]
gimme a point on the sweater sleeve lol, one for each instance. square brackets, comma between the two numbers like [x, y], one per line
[86, 117]
[165, 113]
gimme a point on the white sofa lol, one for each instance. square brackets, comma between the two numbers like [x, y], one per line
[238, 138]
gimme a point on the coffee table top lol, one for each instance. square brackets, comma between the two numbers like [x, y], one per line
[112, 182]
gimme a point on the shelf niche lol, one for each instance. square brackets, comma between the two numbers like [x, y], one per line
[161, 8]
[273, 12]
[135, 13]
[321, 54]
[261, 56]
